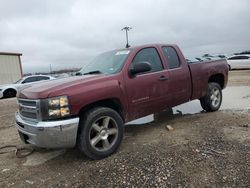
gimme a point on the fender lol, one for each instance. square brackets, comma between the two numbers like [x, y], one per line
[109, 89]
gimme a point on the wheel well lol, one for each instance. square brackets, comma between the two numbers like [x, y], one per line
[112, 103]
[217, 78]
[9, 89]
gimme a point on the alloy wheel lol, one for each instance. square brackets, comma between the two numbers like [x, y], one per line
[103, 133]
[215, 97]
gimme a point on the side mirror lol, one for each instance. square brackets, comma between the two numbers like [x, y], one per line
[140, 67]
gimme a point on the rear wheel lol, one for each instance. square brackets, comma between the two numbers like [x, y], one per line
[9, 93]
[100, 132]
[212, 101]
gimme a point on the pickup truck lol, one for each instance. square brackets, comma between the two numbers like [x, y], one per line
[89, 110]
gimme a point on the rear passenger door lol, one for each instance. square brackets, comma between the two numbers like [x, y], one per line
[179, 76]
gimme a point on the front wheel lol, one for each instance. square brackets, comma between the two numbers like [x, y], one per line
[100, 132]
[9, 93]
[212, 101]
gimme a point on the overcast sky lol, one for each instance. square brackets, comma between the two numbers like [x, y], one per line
[69, 33]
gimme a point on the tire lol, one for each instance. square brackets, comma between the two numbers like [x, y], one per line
[9, 93]
[212, 101]
[100, 132]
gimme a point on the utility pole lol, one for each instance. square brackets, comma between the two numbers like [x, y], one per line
[126, 30]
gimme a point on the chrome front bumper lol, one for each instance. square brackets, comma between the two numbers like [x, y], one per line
[49, 134]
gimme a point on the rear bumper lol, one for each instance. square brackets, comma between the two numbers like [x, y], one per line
[51, 134]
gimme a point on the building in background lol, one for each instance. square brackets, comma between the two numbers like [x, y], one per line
[10, 67]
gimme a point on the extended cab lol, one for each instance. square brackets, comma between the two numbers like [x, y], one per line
[89, 110]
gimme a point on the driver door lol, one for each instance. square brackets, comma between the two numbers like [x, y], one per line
[147, 91]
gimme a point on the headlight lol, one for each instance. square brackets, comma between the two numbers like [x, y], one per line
[58, 107]
[58, 102]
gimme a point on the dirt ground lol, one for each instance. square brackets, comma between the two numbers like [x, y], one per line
[203, 150]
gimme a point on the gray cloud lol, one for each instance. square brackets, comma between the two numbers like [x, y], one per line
[69, 33]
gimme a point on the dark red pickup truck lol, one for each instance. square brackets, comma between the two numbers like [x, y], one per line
[89, 110]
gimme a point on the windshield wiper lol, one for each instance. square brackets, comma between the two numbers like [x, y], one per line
[93, 72]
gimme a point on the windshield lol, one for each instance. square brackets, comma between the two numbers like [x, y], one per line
[108, 63]
[18, 81]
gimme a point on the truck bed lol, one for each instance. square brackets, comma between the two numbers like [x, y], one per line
[200, 71]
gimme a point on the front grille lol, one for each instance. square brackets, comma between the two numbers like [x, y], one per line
[27, 102]
[29, 108]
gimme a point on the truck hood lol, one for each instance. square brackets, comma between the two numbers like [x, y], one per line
[61, 85]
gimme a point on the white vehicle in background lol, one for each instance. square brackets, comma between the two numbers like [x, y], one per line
[10, 90]
[239, 61]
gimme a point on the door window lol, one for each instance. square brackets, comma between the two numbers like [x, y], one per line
[30, 79]
[238, 57]
[150, 55]
[39, 78]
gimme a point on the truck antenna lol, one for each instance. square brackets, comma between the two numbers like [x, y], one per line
[127, 28]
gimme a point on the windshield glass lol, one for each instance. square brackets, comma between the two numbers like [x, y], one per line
[18, 81]
[108, 62]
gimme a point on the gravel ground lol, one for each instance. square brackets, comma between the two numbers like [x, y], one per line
[203, 150]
